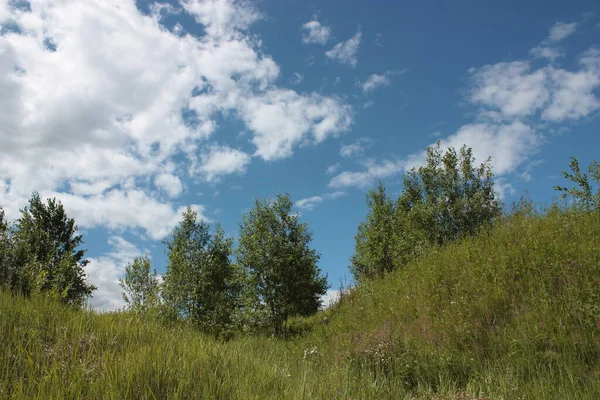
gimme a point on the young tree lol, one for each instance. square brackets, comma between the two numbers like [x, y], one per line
[5, 248]
[281, 268]
[447, 198]
[140, 285]
[46, 249]
[583, 192]
[374, 240]
[450, 197]
[186, 249]
[200, 284]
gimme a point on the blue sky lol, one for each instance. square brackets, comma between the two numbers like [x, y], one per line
[128, 112]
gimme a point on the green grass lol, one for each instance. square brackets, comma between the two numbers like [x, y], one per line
[513, 313]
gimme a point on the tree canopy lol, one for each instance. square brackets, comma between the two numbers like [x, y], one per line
[283, 278]
[44, 253]
[443, 200]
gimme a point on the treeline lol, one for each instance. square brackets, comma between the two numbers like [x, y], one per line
[271, 276]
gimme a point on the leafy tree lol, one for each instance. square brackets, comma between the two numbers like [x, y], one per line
[201, 283]
[140, 285]
[46, 252]
[447, 198]
[374, 240]
[186, 249]
[5, 252]
[583, 193]
[282, 272]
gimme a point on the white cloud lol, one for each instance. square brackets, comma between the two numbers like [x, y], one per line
[169, 183]
[117, 97]
[309, 203]
[314, 32]
[124, 209]
[335, 195]
[573, 92]
[510, 87]
[374, 81]
[561, 30]
[332, 169]
[365, 179]
[509, 145]
[548, 48]
[223, 160]
[515, 90]
[281, 119]
[345, 52]
[105, 272]
[297, 78]
[222, 18]
[4, 11]
[330, 298]
[356, 149]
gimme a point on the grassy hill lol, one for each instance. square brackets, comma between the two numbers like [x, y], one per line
[512, 313]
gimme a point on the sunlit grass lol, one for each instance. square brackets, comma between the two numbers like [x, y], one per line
[513, 313]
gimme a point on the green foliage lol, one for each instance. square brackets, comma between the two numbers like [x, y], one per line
[201, 284]
[583, 193]
[45, 253]
[444, 200]
[140, 285]
[283, 279]
[374, 244]
[5, 252]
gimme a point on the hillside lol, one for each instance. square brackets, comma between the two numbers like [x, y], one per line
[512, 313]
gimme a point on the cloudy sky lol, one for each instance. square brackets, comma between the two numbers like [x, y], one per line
[129, 111]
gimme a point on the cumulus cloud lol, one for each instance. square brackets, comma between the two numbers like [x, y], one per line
[98, 98]
[375, 81]
[364, 179]
[548, 48]
[516, 90]
[281, 119]
[314, 32]
[355, 149]
[309, 203]
[169, 183]
[330, 298]
[105, 272]
[119, 209]
[561, 30]
[345, 52]
[223, 160]
[332, 169]
[509, 146]
[573, 91]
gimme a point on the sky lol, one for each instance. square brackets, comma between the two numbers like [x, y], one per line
[131, 111]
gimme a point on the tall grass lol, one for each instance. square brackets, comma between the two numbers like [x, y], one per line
[513, 313]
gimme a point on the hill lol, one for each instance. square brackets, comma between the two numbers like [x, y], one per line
[511, 313]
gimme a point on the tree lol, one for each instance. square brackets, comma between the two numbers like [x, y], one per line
[46, 252]
[140, 285]
[583, 193]
[281, 268]
[186, 249]
[5, 252]
[200, 284]
[447, 198]
[374, 240]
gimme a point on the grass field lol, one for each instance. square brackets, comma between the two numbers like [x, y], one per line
[513, 313]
